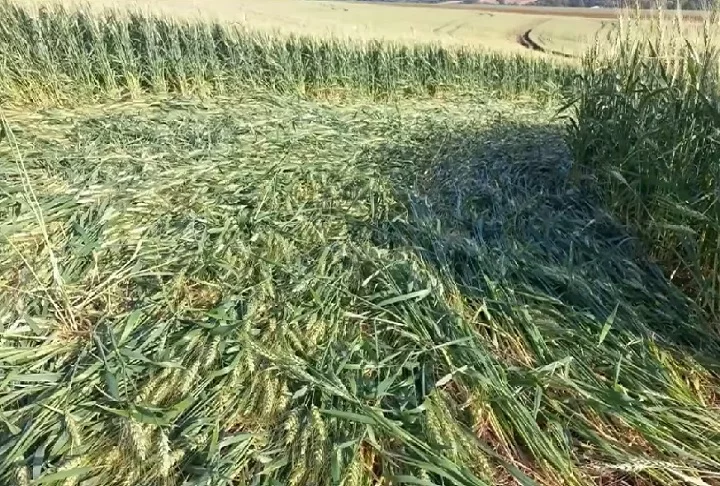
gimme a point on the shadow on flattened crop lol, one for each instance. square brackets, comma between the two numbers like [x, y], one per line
[544, 309]
[494, 208]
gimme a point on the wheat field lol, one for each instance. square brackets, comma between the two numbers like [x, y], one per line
[492, 29]
[243, 248]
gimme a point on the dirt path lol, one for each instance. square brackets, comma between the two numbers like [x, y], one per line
[525, 39]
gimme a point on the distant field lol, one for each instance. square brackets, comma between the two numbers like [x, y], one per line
[595, 13]
[486, 26]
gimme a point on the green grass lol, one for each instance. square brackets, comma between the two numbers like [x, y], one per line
[265, 288]
[62, 56]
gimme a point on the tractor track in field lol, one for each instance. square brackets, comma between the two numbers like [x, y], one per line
[527, 42]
